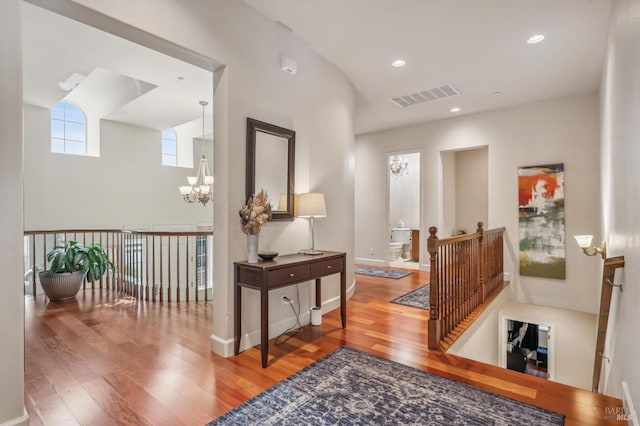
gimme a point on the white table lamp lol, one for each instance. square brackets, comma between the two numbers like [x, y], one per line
[311, 205]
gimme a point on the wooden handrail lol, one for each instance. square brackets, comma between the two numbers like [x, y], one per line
[123, 231]
[70, 231]
[608, 274]
[455, 238]
[464, 271]
[170, 233]
[149, 265]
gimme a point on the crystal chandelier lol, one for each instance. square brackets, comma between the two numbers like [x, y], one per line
[399, 167]
[199, 188]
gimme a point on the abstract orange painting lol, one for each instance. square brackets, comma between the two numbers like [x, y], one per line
[541, 221]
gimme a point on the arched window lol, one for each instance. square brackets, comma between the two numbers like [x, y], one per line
[169, 148]
[68, 129]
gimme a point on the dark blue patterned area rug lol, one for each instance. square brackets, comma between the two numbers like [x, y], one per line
[383, 273]
[351, 387]
[418, 298]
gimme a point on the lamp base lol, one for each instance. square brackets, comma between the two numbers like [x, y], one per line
[311, 252]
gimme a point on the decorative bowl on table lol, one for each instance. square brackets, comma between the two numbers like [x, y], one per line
[268, 255]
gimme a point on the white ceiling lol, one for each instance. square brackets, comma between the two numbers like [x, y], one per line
[478, 46]
[150, 93]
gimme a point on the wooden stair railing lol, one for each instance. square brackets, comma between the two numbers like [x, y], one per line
[608, 275]
[149, 265]
[465, 272]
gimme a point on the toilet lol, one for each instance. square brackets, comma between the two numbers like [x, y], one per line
[395, 251]
[400, 241]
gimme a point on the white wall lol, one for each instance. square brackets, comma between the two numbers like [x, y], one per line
[317, 103]
[560, 130]
[471, 188]
[620, 200]
[573, 334]
[447, 189]
[11, 298]
[480, 341]
[371, 229]
[126, 185]
[187, 147]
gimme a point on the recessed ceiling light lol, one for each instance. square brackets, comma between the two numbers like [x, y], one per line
[455, 109]
[180, 77]
[497, 93]
[398, 63]
[535, 39]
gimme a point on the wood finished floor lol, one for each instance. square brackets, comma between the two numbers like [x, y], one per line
[103, 360]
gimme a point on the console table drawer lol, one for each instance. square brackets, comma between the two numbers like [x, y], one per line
[326, 267]
[278, 277]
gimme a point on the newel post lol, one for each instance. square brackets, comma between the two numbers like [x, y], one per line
[481, 266]
[434, 313]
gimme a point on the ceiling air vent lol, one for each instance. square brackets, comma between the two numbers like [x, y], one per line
[435, 94]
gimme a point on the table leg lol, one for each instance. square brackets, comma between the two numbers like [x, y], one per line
[264, 326]
[237, 314]
[343, 293]
[318, 293]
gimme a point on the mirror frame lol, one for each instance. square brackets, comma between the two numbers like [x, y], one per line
[253, 127]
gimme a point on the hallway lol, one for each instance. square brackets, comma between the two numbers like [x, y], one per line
[108, 360]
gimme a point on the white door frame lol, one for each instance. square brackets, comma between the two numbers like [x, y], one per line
[503, 335]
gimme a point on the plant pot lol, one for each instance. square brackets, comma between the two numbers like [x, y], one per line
[61, 286]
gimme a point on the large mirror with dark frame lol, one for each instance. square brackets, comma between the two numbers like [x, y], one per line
[271, 165]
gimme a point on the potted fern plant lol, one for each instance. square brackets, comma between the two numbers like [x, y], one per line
[68, 266]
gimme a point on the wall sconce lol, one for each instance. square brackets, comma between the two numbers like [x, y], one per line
[584, 242]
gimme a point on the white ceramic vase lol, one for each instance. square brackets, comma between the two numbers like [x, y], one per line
[252, 248]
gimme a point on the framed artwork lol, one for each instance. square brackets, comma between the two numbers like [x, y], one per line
[541, 221]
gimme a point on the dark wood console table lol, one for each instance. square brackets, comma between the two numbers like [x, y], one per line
[281, 272]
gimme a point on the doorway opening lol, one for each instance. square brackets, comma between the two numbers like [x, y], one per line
[130, 119]
[404, 209]
[527, 348]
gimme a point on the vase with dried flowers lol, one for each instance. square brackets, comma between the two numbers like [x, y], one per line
[255, 212]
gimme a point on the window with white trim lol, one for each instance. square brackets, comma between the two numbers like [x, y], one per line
[169, 148]
[68, 129]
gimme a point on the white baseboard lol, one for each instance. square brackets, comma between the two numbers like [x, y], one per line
[18, 421]
[378, 262]
[629, 413]
[224, 347]
[370, 262]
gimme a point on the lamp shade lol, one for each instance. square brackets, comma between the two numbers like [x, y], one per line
[311, 204]
[584, 241]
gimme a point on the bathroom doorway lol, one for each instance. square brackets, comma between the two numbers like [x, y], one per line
[404, 209]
